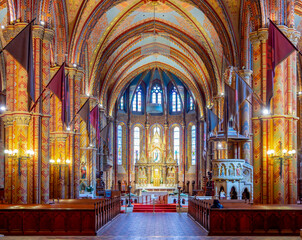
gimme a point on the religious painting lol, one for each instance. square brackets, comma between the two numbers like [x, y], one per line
[83, 172]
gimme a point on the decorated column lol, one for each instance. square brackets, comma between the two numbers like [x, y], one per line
[274, 131]
[246, 119]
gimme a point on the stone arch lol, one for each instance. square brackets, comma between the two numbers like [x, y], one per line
[233, 193]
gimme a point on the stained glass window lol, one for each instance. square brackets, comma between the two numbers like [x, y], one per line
[136, 147]
[121, 104]
[156, 94]
[191, 104]
[134, 106]
[119, 145]
[156, 130]
[137, 100]
[176, 103]
[176, 144]
[193, 148]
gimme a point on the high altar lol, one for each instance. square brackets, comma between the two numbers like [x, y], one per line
[156, 170]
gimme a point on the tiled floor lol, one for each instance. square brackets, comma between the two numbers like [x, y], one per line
[147, 226]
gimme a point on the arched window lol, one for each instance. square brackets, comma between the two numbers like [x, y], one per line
[138, 100]
[136, 147]
[156, 94]
[119, 145]
[156, 130]
[121, 105]
[191, 104]
[193, 147]
[176, 144]
[175, 101]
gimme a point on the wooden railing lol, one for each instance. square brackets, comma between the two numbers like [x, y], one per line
[105, 210]
[83, 217]
[200, 211]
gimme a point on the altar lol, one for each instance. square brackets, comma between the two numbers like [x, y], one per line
[157, 170]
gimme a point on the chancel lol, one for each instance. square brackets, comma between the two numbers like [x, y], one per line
[113, 109]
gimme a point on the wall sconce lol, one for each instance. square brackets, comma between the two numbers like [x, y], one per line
[59, 163]
[15, 154]
[285, 155]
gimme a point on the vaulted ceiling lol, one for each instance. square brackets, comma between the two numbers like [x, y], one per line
[116, 40]
[121, 39]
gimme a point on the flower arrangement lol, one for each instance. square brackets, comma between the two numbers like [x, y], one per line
[89, 189]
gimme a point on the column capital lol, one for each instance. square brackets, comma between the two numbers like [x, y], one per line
[263, 34]
[110, 119]
[76, 72]
[59, 136]
[38, 31]
[293, 35]
[246, 73]
[254, 38]
[12, 30]
[22, 120]
[48, 35]
[8, 120]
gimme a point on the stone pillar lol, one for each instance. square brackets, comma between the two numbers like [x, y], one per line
[184, 153]
[272, 174]
[198, 151]
[166, 139]
[8, 142]
[257, 141]
[21, 134]
[76, 75]
[129, 151]
[246, 119]
[61, 154]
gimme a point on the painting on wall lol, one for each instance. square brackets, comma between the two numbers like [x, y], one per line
[83, 172]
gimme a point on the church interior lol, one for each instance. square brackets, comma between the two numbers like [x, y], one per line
[110, 106]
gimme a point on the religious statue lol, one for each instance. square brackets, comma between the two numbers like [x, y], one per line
[238, 170]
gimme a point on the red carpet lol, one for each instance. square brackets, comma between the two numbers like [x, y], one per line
[158, 208]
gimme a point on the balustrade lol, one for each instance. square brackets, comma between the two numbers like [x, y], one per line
[200, 211]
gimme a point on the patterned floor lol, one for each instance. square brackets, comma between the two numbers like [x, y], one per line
[147, 226]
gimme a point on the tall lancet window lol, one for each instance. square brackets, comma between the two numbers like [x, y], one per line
[156, 94]
[136, 146]
[119, 145]
[156, 130]
[137, 100]
[121, 105]
[191, 104]
[176, 103]
[193, 147]
[176, 144]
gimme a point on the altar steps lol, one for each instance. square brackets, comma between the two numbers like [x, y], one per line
[158, 208]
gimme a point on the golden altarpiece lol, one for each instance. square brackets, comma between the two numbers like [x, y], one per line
[156, 170]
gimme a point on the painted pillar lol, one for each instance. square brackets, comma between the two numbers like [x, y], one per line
[147, 137]
[129, 152]
[246, 120]
[274, 175]
[184, 154]
[8, 125]
[256, 122]
[45, 138]
[21, 132]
